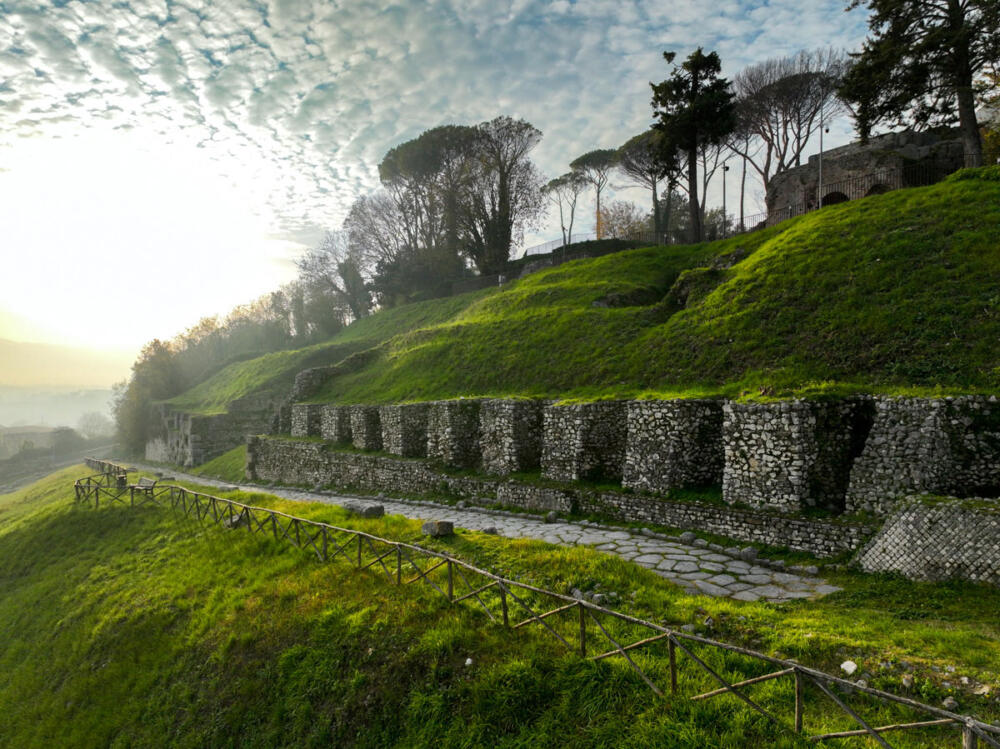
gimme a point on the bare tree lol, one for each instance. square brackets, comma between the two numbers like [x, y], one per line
[623, 219]
[780, 104]
[564, 192]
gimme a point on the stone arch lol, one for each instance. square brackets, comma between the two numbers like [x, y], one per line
[877, 189]
[833, 198]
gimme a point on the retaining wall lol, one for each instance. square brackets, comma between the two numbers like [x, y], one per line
[312, 463]
[510, 433]
[584, 441]
[335, 424]
[673, 444]
[453, 433]
[366, 430]
[404, 429]
[947, 446]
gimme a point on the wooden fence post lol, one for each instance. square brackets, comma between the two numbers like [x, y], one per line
[799, 704]
[451, 583]
[359, 551]
[399, 565]
[503, 603]
[672, 651]
[583, 630]
[969, 740]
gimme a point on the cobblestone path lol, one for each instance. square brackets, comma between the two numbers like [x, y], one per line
[697, 567]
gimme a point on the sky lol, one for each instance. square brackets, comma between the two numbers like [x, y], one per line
[164, 161]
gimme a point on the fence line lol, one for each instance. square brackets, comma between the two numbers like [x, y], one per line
[500, 598]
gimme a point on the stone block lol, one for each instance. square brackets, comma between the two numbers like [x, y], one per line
[792, 455]
[453, 433]
[584, 441]
[438, 528]
[673, 444]
[404, 429]
[510, 432]
[364, 510]
[366, 432]
[335, 423]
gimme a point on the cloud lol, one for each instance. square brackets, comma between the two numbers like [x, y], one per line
[296, 101]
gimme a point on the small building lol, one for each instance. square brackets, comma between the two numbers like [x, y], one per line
[857, 170]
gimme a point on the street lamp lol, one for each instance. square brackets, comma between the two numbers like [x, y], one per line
[819, 187]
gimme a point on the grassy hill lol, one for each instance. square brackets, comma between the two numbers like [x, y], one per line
[273, 374]
[138, 628]
[895, 293]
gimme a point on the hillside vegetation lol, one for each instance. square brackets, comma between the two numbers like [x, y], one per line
[139, 628]
[894, 293]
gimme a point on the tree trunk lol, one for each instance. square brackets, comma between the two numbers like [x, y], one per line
[743, 192]
[597, 218]
[971, 142]
[668, 213]
[694, 207]
[656, 216]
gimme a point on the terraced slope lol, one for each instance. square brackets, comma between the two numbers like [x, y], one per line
[898, 293]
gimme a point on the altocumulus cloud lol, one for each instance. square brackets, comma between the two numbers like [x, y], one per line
[307, 96]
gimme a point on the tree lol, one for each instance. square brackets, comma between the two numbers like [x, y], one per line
[504, 191]
[334, 273]
[622, 219]
[155, 376]
[648, 159]
[694, 108]
[780, 103]
[596, 167]
[564, 192]
[919, 64]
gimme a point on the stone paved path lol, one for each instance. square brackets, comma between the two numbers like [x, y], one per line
[695, 567]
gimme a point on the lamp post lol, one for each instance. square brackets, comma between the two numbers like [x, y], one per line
[819, 188]
[725, 216]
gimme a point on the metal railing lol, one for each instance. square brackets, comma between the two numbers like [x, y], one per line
[575, 623]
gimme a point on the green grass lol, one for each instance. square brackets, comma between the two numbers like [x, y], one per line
[230, 466]
[890, 294]
[274, 373]
[138, 628]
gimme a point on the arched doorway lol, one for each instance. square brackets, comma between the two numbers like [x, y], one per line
[877, 189]
[833, 198]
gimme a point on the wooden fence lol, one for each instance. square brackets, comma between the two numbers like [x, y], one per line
[583, 627]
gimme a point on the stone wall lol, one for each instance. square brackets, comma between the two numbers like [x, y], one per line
[366, 431]
[404, 429]
[931, 539]
[306, 420]
[792, 455]
[673, 444]
[511, 435]
[948, 446]
[313, 463]
[192, 439]
[335, 424]
[453, 433]
[584, 441]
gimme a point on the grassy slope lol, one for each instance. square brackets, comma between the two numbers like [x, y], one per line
[276, 371]
[895, 293]
[135, 628]
[892, 293]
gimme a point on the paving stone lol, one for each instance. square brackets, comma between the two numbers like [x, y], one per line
[717, 558]
[756, 579]
[685, 567]
[713, 590]
[712, 566]
[722, 580]
[745, 595]
[695, 576]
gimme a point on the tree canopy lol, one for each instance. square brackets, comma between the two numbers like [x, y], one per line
[694, 109]
[919, 65]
